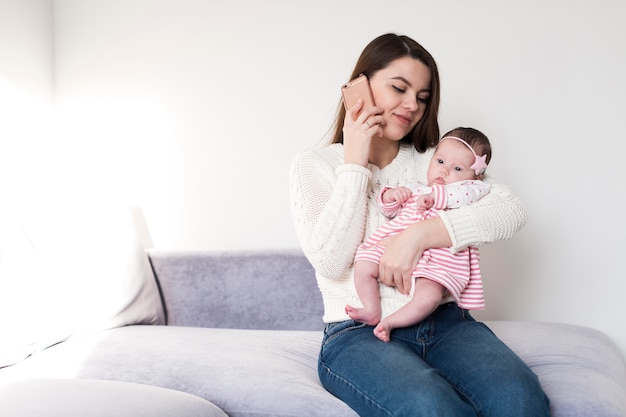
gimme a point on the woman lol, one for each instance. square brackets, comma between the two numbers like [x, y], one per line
[449, 364]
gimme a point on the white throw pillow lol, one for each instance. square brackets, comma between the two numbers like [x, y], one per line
[67, 270]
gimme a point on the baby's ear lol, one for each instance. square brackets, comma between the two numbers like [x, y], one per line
[479, 177]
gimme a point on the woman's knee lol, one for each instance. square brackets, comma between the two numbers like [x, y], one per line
[516, 393]
[418, 393]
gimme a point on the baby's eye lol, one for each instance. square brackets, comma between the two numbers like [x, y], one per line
[458, 169]
[439, 161]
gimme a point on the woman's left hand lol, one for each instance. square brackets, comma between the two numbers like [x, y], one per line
[403, 251]
[398, 261]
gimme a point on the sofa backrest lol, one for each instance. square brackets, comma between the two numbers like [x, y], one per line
[246, 290]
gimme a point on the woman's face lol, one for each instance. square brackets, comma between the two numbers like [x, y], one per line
[402, 90]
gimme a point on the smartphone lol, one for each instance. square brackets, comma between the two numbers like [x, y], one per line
[358, 88]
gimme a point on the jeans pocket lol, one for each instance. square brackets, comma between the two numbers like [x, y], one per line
[337, 329]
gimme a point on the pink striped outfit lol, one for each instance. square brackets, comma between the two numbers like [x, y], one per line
[458, 272]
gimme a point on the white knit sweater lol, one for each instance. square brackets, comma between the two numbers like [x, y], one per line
[334, 209]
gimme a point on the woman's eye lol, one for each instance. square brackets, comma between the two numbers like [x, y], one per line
[398, 89]
[423, 99]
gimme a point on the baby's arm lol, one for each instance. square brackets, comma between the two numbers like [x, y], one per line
[458, 194]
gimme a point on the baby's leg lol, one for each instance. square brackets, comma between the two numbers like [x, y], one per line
[366, 282]
[426, 298]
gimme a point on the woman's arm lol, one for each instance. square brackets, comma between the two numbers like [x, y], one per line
[497, 216]
[329, 194]
[329, 208]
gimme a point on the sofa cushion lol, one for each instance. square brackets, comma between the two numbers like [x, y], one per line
[253, 373]
[580, 368]
[94, 398]
[71, 269]
[246, 373]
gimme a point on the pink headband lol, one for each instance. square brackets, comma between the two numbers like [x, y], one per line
[480, 165]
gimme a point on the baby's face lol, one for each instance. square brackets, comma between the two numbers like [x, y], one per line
[451, 163]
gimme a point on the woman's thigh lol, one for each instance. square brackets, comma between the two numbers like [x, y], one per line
[487, 372]
[383, 379]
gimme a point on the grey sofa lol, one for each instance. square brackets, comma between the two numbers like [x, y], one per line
[242, 337]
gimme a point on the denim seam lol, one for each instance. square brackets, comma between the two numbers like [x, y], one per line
[358, 392]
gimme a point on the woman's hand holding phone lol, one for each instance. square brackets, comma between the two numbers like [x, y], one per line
[361, 122]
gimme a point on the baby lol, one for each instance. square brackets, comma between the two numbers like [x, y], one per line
[454, 179]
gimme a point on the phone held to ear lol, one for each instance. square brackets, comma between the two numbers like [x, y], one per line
[358, 88]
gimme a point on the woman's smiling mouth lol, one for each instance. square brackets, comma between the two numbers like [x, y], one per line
[405, 120]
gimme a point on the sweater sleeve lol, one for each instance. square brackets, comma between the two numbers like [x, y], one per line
[329, 209]
[497, 216]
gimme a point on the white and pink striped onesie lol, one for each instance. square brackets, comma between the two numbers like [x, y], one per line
[458, 272]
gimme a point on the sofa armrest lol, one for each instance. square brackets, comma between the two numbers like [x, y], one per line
[245, 290]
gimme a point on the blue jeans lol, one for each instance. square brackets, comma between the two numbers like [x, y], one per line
[448, 365]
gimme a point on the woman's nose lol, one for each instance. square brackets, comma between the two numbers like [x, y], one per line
[411, 104]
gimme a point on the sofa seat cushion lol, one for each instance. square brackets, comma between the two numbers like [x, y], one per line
[581, 369]
[260, 373]
[96, 398]
[246, 373]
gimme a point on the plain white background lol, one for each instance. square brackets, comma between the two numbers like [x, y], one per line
[193, 110]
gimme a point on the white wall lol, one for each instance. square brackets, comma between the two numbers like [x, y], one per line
[26, 97]
[193, 109]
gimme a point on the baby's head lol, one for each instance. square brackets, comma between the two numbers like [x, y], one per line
[462, 154]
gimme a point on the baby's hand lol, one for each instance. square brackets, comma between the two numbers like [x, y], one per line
[425, 202]
[398, 194]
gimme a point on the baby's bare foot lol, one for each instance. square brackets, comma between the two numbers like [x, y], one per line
[363, 315]
[383, 331]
